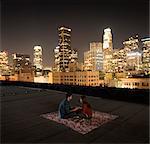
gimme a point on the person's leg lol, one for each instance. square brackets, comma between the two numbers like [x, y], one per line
[70, 115]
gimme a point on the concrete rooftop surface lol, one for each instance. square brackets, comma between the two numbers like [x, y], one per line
[21, 108]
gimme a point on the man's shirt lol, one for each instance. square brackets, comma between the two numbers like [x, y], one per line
[64, 108]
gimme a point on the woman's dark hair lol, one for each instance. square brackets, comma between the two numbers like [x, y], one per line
[83, 98]
[68, 94]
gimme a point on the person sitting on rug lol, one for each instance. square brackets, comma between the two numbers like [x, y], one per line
[86, 110]
[65, 110]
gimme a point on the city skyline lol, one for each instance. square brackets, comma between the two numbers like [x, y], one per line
[37, 22]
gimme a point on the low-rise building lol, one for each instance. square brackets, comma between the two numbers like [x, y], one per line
[83, 78]
[132, 83]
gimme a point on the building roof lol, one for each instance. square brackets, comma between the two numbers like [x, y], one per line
[21, 121]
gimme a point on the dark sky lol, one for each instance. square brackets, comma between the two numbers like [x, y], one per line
[26, 23]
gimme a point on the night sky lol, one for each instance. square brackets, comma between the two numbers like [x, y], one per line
[26, 23]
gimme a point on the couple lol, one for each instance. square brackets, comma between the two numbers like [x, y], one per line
[66, 111]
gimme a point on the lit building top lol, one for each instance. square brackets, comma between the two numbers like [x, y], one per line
[107, 39]
[38, 57]
[134, 54]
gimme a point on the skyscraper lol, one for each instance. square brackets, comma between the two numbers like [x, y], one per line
[4, 63]
[21, 62]
[65, 47]
[64, 54]
[38, 60]
[146, 55]
[107, 50]
[93, 59]
[132, 44]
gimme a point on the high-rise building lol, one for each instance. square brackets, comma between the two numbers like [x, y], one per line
[21, 62]
[107, 50]
[64, 54]
[133, 56]
[38, 60]
[4, 67]
[118, 61]
[93, 59]
[132, 44]
[146, 55]
[64, 47]
[56, 59]
[134, 61]
[22, 67]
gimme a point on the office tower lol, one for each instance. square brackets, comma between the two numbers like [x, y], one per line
[134, 61]
[56, 59]
[118, 61]
[38, 60]
[132, 44]
[133, 55]
[4, 67]
[21, 62]
[107, 50]
[64, 54]
[93, 59]
[146, 55]
[64, 47]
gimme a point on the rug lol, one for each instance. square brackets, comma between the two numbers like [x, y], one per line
[82, 126]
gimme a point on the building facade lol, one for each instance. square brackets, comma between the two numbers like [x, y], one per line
[22, 67]
[132, 44]
[93, 59]
[118, 61]
[134, 61]
[4, 66]
[132, 83]
[83, 78]
[146, 55]
[64, 54]
[107, 50]
[21, 62]
[37, 61]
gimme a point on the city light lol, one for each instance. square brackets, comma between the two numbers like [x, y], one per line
[103, 65]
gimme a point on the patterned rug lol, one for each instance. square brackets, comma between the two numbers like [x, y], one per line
[81, 125]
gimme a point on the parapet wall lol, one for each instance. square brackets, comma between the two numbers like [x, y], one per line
[122, 94]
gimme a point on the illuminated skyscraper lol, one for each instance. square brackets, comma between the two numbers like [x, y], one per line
[64, 47]
[107, 50]
[118, 61]
[4, 63]
[134, 60]
[56, 59]
[64, 54]
[146, 55]
[93, 59]
[132, 44]
[38, 60]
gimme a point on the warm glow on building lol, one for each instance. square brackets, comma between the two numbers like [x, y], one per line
[132, 83]
[134, 60]
[4, 67]
[93, 59]
[146, 55]
[38, 59]
[107, 50]
[83, 78]
[64, 54]
[131, 44]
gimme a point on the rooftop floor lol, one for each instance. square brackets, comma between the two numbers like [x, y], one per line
[21, 108]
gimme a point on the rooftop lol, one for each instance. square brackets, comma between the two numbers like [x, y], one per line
[21, 121]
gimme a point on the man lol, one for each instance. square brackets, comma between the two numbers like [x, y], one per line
[65, 110]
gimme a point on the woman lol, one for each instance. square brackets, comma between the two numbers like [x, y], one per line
[86, 109]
